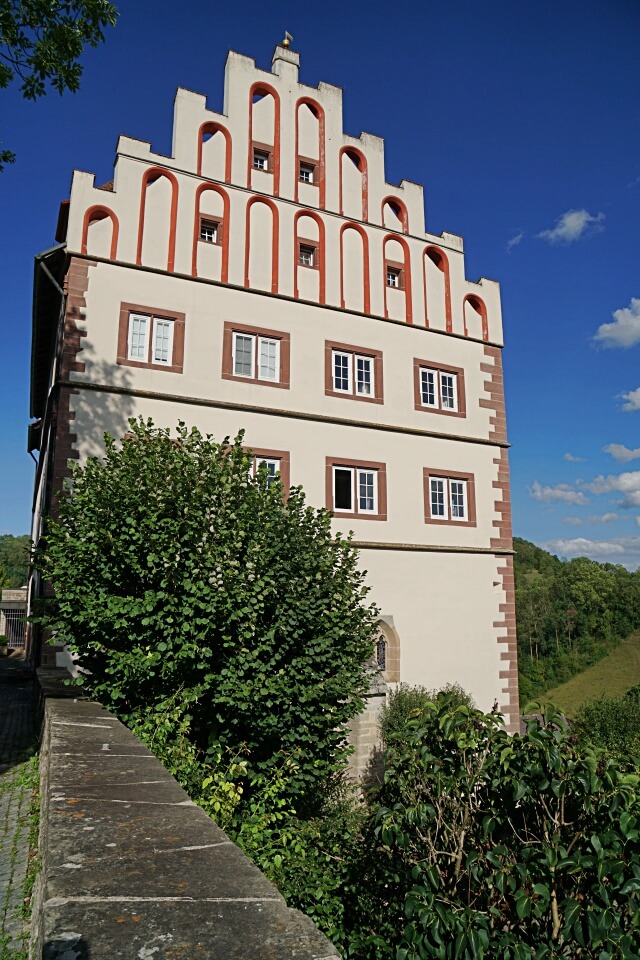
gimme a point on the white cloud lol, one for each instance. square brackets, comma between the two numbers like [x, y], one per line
[515, 240]
[621, 453]
[627, 483]
[594, 518]
[603, 518]
[631, 400]
[625, 329]
[571, 458]
[562, 491]
[580, 546]
[624, 550]
[572, 226]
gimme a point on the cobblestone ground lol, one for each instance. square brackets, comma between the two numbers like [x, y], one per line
[16, 785]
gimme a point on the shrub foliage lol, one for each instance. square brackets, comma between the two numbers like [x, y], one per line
[483, 845]
[174, 569]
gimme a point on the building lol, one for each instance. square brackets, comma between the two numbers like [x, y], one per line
[266, 277]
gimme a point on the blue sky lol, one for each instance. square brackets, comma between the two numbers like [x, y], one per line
[521, 119]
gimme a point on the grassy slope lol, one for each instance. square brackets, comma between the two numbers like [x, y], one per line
[614, 675]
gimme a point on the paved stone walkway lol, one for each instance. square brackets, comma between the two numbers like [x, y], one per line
[17, 745]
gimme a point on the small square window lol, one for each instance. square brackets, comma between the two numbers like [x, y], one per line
[394, 277]
[260, 159]
[209, 231]
[306, 172]
[307, 255]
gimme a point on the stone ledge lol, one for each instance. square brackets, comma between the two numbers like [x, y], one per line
[132, 869]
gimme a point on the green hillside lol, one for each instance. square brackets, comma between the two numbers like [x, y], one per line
[571, 614]
[613, 676]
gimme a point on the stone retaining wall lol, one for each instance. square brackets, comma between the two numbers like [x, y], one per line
[131, 868]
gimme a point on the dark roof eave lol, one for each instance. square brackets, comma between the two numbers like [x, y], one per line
[48, 276]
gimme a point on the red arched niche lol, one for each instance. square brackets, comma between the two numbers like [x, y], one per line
[150, 176]
[365, 265]
[224, 271]
[406, 260]
[213, 127]
[275, 235]
[318, 112]
[92, 215]
[266, 90]
[480, 307]
[441, 261]
[321, 253]
[400, 211]
[360, 161]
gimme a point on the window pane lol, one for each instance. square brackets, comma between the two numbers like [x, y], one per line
[272, 467]
[260, 160]
[428, 387]
[364, 376]
[342, 371]
[448, 391]
[138, 338]
[243, 355]
[162, 330]
[438, 507]
[381, 652]
[268, 359]
[209, 231]
[367, 490]
[306, 257]
[458, 506]
[393, 277]
[342, 488]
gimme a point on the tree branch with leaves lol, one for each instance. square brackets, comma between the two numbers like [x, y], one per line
[41, 42]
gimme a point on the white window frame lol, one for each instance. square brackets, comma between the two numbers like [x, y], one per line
[394, 278]
[261, 159]
[151, 325]
[308, 250]
[352, 377]
[306, 168]
[448, 492]
[157, 322]
[269, 462]
[257, 368]
[208, 224]
[358, 474]
[133, 317]
[438, 392]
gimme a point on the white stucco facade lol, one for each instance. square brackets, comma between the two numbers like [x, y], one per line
[268, 250]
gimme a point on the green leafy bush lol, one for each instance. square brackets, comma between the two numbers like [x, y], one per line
[174, 569]
[483, 845]
[407, 703]
[612, 723]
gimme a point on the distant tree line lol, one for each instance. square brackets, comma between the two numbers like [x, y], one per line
[14, 560]
[570, 614]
